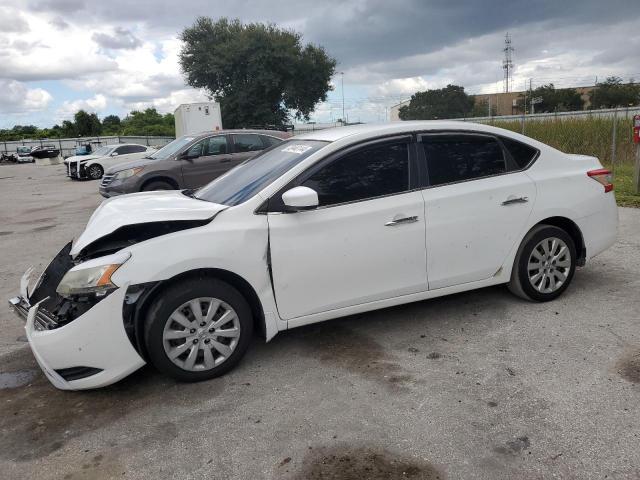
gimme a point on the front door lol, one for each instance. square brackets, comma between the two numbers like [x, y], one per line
[206, 160]
[365, 241]
[476, 208]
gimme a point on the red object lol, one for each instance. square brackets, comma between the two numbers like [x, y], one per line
[603, 177]
[636, 129]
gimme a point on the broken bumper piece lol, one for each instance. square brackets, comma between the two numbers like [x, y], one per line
[91, 351]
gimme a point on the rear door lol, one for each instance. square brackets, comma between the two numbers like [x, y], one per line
[206, 160]
[476, 206]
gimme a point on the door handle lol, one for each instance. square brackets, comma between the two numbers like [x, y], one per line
[225, 160]
[511, 200]
[401, 221]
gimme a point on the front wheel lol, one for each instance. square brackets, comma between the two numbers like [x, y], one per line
[198, 329]
[545, 264]
[95, 172]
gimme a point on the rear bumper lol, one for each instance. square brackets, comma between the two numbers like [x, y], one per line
[600, 230]
[94, 343]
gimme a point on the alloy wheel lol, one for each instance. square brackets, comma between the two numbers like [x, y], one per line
[549, 265]
[95, 172]
[201, 334]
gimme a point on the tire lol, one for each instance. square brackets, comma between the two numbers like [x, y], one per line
[95, 171]
[157, 185]
[160, 328]
[551, 270]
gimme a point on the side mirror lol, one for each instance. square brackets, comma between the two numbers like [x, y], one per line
[300, 198]
[114, 154]
[185, 156]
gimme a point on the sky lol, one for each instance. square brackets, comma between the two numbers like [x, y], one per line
[57, 56]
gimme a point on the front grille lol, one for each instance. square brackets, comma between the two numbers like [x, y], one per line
[106, 180]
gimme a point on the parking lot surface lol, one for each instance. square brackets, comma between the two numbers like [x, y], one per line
[475, 385]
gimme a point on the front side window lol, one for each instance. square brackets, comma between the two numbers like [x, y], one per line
[195, 150]
[458, 157]
[216, 145]
[247, 142]
[125, 149]
[373, 172]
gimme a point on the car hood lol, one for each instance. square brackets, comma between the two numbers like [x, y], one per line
[82, 158]
[141, 162]
[142, 208]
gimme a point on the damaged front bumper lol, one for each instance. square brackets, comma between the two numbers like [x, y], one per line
[89, 351]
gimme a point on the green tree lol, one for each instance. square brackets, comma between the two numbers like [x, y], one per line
[481, 109]
[260, 74]
[148, 122]
[553, 99]
[614, 93]
[448, 102]
[111, 125]
[87, 124]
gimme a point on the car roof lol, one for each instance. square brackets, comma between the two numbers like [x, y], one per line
[364, 131]
[271, 133]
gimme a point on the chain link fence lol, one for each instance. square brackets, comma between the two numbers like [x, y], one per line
[67, 146]
[606, 134]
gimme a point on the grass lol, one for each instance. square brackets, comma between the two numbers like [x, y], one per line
[589, 136]
[622, 181]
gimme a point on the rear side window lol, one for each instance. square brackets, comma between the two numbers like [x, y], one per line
[521, 153]
[454, 157]
[138, 148]
[246, 142]
[270, 141]
[370, 173]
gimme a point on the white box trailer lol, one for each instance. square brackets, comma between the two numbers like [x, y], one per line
[192, 118]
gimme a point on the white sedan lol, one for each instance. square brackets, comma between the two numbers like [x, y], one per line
[93, 166]
[326, 224]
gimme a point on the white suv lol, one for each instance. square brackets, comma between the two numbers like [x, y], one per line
[323, 225]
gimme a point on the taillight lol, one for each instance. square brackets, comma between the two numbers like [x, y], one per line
[603, 177]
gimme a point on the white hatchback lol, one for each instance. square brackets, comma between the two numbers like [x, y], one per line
[326, 224]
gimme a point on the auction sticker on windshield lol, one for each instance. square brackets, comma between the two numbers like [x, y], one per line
[296, 149]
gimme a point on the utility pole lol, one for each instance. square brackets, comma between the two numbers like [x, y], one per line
[342, 88]
[507, 63]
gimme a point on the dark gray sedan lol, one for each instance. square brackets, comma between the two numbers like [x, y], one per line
[190, 161]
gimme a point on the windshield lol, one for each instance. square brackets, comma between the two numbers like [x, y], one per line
[171, 148]
[244, 181]
[103, 151]
[23, 150]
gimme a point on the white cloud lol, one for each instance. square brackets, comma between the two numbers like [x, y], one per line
[95, 104]
[18, 98]
[12, 21]
[121, 39]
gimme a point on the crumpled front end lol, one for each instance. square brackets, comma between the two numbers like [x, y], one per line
[79, 342]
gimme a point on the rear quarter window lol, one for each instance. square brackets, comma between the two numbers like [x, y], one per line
[521, 153]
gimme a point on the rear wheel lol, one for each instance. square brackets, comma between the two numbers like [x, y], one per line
[198, 329]
[95, 172]
[545, 264]
[157, 185]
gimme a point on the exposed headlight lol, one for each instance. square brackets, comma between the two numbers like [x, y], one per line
[130, 172]
[92, 276]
